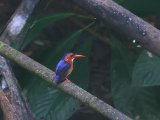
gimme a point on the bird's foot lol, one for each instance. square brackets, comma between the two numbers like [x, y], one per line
[66, 80]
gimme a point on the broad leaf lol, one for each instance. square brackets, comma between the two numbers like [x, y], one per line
[138, 103]
[146, 70]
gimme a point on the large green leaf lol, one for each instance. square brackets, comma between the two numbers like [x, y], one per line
[37, 24]
[146, 70]
[137, 102]
[47, 102]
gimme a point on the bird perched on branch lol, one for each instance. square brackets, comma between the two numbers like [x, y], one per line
[65, 66]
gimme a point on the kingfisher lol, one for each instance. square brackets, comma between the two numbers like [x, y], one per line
[65, 66]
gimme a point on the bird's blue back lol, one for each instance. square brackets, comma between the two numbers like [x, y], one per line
[62, 70]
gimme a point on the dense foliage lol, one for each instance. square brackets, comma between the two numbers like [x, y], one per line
[134, 72]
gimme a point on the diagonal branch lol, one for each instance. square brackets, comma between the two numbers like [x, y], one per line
[124, 23]
[20, 109]
[68, 87]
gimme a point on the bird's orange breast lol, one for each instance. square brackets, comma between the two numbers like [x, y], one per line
[70, 69]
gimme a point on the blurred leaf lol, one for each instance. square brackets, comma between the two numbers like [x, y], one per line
[39, 42]
[47, 102]
[39, 23]
[146, 70]
[66, 45]
[122, 63]
[138, 103]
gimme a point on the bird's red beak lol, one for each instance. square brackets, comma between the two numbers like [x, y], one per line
[79, 56]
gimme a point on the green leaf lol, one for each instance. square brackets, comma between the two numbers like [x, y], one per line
[121, 69]
[146, 70]
[47, 102]
[39, 23]
[138, 103]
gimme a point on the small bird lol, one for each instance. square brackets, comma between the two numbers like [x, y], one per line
[65, 66]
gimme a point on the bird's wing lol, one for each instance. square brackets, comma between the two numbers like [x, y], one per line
[62, 69]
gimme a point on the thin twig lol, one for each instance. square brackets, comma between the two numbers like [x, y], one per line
[68, 87]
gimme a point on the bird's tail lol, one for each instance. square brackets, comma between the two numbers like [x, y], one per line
[58, 80]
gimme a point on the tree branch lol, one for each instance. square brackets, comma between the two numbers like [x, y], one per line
[68, 87]
[6, 107]
[18, 21]
[124, 23]
[20, 108]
